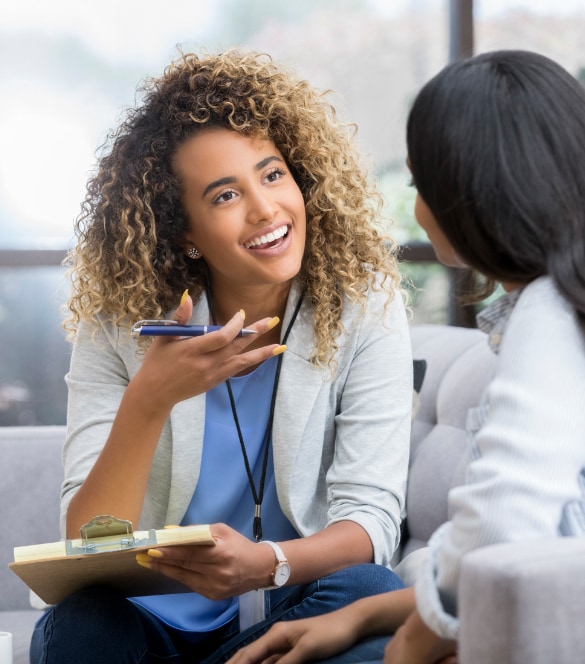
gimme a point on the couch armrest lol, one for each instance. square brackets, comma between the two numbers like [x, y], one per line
[523, 602]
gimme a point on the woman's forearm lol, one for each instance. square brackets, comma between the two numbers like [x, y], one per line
[385, 613]
[378, 615]
[339, 545]
[116, 484]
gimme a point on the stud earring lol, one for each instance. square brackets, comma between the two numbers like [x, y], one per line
[194, 253]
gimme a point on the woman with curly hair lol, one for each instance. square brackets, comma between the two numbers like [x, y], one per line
[233, 183]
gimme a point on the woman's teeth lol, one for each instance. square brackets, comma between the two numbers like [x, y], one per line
[268, 238]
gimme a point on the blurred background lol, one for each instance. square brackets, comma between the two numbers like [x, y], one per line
[68, 69]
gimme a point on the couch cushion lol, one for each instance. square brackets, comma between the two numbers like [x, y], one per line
[29, 494]
[459, 367]
[20, 624]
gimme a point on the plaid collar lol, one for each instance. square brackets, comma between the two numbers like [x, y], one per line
[493, 319]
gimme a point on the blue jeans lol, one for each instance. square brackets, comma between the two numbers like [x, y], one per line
[98, 625]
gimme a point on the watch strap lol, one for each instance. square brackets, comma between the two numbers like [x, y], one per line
[280, 559]
[278, 552]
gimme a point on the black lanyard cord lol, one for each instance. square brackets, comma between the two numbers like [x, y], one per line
[258, 495]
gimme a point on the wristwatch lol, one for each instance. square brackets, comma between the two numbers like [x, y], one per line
[281, 572]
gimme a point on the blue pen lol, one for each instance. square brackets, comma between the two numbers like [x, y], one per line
[170, 328]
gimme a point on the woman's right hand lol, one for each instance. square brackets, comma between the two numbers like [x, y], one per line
[176, 369]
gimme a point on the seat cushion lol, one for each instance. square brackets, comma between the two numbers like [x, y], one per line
[20, 624]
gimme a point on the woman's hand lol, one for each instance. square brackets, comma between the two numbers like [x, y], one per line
[332, 633]
[415, 643]
[304, 640]
[176, 369]
[233, 566]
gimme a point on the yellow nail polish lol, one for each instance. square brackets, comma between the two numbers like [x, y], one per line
[243, 314]
[184, 296]
[155, 553]
[143, 560]
[273, 322]
[278, 350]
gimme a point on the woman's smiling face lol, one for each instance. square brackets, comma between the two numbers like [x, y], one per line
[246, 212]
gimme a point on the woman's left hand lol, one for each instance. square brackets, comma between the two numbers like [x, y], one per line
[415, 643]
[231, 567]
[304, 640]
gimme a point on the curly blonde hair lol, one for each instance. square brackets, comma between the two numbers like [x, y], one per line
[130, 260]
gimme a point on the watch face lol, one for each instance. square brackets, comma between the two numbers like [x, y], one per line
[281, 574]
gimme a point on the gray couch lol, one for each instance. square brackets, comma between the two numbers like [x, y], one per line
[30, 484]
[519, 603]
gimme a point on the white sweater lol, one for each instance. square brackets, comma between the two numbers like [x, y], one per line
[526, 477]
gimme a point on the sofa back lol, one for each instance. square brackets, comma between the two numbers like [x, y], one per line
[30, 484]
[459, 366]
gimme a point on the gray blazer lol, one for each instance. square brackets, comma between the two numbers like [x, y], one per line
[340, 437]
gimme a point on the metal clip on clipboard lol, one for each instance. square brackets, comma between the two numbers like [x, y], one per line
[107, 533]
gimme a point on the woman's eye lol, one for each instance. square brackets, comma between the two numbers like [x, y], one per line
[274, 175]
[224, 197]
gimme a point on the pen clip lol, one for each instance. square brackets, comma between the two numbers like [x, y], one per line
[138, 326]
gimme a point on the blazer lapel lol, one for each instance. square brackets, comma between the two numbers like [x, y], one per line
[299, 385]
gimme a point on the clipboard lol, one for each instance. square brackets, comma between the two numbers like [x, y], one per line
[105, 554]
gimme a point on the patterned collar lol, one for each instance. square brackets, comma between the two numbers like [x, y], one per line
[493, 319]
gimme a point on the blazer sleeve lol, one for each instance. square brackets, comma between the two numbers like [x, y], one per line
[367, 479]
[341, 435]
[96, 381]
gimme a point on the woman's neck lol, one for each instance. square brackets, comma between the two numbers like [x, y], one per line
[257, 302]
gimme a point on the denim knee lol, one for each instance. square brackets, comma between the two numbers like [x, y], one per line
[97, 625]
[352, 583]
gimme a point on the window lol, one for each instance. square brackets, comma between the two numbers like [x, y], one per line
[70, 71]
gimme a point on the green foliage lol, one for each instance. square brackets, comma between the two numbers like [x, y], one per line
[399, 199]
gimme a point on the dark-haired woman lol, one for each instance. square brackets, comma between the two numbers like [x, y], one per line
[495, 148]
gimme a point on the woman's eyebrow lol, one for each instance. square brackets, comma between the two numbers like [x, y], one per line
[218, 183]
[260, 165]
[230, 179]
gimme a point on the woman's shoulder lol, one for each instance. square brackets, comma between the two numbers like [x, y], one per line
[380, 292]
[542, 326]
[103, 336]
[537, 303]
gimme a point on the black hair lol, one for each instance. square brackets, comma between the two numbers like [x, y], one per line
[496, 147]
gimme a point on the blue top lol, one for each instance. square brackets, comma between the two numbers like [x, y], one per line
[223, 493]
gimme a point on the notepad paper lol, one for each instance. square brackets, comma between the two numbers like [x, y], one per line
[164, 537]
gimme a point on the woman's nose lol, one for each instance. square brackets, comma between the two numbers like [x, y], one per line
[261, 207]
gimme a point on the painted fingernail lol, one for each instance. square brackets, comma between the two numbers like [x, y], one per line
[243, 314]
[184, 296]
[155, 553]
[278, 350]
[273, 322]
[143, 560]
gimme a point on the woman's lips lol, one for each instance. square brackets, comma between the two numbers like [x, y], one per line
[268, 240]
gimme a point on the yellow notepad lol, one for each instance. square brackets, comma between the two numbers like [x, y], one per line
[105, 554]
